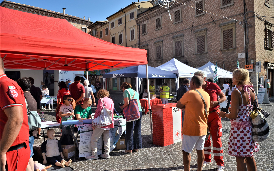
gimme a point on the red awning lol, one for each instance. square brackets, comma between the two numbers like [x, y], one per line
[31, 41]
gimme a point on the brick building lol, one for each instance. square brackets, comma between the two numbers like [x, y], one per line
[79, 23]
[195, 32]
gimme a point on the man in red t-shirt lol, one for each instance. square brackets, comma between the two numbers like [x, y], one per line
[14, 129]
[214, 122]
[77, 90]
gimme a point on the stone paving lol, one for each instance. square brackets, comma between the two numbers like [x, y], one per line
[153, 157]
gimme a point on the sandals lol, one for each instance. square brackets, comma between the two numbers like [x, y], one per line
[128, 151]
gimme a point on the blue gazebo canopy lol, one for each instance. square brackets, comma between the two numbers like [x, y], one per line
[140, 72]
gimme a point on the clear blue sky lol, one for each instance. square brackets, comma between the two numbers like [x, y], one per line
[96, 10]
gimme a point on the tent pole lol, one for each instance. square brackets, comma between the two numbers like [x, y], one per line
[87, 75]
[178, 82]
[104, 83]
[148, 95]
[137, 85]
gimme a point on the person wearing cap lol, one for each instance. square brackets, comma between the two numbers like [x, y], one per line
[214, 122]
[69, 83]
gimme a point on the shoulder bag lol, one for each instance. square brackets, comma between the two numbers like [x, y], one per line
[131, 111]
[105, 118]
[208, 132]
[34, 119]
[260, 127]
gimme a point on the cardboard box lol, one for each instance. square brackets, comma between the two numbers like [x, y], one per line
[121, 144]
[68, 151]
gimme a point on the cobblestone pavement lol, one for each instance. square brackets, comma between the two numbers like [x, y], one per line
[153, 157]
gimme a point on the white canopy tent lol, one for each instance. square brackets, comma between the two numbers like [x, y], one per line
[210, 68]
[179, 68]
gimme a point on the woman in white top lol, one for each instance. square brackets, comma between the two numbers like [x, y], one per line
[89, 92]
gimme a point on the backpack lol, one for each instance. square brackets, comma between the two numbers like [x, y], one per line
[131, 112]
[34, 119]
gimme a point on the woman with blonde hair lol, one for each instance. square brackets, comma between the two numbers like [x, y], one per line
[241, 144]
[104, 101]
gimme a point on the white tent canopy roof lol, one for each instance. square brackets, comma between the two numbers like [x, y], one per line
[210, 68]
[178, 67]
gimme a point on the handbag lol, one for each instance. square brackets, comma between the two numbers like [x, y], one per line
[131, 111]
[105, 118]
[208, 132]
[260, 127]
[34, 119]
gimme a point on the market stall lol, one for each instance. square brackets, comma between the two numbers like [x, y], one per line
[210, 68]
[182, 70]
[30, 41]
[35, 42]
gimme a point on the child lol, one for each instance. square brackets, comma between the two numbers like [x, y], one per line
[66, 112]
[52, 151]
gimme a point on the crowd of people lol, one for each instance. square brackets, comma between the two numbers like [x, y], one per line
[198, 98]
[202, 120]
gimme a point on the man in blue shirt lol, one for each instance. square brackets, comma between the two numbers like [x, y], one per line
[183, 89]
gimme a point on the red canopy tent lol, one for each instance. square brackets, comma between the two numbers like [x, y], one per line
[30, 41]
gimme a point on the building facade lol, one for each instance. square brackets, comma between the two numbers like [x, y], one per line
[122, 24]
[121, 29]
[100, 29]
[195, 32]
[79, 23]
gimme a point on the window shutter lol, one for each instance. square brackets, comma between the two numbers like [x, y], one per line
[158, 23]
[132, 15]
[112, 24]
[226, 2]
[106, 31]
[178, 48]
[199, 7]
[132, 34]
[119, 21]
[272, 39]
[159, 52]
[177, 15]
[228, 39]
[200, 44]
[120, 38]
[144, 29]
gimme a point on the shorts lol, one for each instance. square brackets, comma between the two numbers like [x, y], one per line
[18, 159]
[53, 160]
[191, 142]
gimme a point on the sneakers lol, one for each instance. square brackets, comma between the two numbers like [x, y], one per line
[105, 156]
[92, 157]
[220, 168]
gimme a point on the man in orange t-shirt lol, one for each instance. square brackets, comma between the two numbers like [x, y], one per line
[195, 121]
